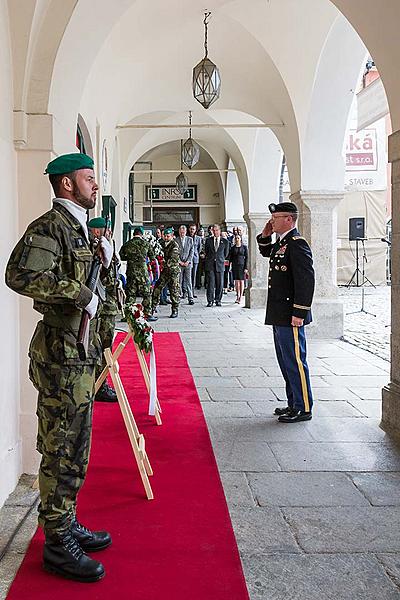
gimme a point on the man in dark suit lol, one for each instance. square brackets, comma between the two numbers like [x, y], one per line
[216, 252]
[291, 284]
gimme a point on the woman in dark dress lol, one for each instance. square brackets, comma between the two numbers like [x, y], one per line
[238, 257]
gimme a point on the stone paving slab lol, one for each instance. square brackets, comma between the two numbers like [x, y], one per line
[305, 489]
[237, 489]
[10, 517]
[381, 489]
[346, 429]
[245, 456]
[257, 429]
[391, 564]
[370, 408]
[318, 577]
[239, 394]
[368, 393]
[336, 456]
[227, 409]
[262, 530]
[346, 529]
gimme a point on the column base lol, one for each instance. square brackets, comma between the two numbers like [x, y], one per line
[391, 410]
[255, 297]
[327, 319]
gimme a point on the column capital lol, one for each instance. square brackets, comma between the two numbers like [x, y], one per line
[33, 132]
[315, 198]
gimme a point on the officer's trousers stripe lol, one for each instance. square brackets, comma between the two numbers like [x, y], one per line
[301, 369]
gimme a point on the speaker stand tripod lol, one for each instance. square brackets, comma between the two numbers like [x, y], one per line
[364, 279]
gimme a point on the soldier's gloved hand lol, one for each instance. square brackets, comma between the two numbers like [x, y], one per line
[106, 251]
[91, 308]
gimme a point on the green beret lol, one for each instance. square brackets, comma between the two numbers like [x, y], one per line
[97, 223]
[67, 163]
[168, 230]
[139, 230]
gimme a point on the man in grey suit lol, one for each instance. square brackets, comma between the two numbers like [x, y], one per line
[216, 251]
[185, 262]
[196, 254]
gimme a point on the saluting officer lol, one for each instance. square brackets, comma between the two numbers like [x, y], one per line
[291, 284]
[51, 264]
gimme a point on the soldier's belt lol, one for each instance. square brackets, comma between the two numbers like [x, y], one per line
[68, 322]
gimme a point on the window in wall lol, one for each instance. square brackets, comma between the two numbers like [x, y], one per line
[80, 144]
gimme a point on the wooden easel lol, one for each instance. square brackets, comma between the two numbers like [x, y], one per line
[137, 439]
[143, 365]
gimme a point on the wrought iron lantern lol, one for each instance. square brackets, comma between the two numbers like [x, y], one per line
[206, 77]
[181, 181]
[190, 149]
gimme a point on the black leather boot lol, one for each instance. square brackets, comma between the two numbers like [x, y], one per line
[173, 314]
[90, 541]
[62, 555]
[106, 394]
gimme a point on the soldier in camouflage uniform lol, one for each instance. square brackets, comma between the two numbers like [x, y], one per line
[170, 273]
[107, 312]
[51, 264]
[135, 252]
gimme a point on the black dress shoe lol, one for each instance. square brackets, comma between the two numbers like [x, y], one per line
[218, 304]
[106, 394]
[209, 304]
[283, 411]
[174, 314]
[191, 302]
[63, 555]
[295, 416]
[194, 296]
[90, 541]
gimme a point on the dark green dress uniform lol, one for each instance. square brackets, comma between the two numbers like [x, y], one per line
[291, 283]
[135, 252]
[50, 264]
[169, 275]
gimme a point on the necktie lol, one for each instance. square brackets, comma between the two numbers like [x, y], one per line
[216, 244]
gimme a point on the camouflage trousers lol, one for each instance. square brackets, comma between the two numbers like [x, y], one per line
[106, 333]
[139, 286]
[64, 412]
[168, 278]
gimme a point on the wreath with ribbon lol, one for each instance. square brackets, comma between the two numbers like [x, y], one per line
[142, 331]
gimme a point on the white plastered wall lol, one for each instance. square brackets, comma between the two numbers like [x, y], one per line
[10, 445]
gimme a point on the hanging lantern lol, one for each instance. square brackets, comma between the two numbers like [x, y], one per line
[190, 149]
[182, 183]
[206, 78]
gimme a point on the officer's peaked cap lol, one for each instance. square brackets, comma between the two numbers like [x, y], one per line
[67, 163]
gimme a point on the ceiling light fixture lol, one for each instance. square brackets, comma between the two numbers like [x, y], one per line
[206, 77]
[190, 149]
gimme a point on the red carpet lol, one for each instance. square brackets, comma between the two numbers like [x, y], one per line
[179, 546]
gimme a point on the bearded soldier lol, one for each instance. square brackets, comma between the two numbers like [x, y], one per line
[50, 264]
[107, 312]
[135, 252]
[170, 273]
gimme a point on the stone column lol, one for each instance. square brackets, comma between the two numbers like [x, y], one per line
[256, 292]
[318, 224]
[391, 392]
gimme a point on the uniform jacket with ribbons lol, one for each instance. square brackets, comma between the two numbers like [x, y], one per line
[291, 278]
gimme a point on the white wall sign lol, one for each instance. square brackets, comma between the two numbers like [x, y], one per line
[366, 161]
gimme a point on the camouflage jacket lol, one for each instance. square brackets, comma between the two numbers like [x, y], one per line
[50, 264]
[171, 255]
[135, 253]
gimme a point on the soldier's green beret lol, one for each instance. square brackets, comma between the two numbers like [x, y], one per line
[97, 223]
[67, 163]
[138, 230]
[287, 207]
[168, 230]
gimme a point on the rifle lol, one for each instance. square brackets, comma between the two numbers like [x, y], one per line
[83, 332]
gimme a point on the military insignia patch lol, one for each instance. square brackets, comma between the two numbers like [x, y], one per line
[283, 268]
[79, 243]
[282, 250]
[276, 268]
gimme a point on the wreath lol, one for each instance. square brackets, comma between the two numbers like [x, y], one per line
[142, 332]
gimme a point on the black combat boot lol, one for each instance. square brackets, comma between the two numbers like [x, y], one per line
[90, 541]
[106, 394]
[174, 314]
[62, 555]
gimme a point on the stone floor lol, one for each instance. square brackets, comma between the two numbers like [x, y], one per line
[315, 506]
